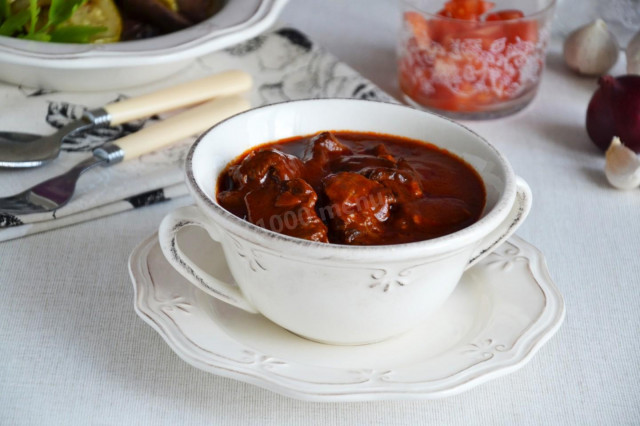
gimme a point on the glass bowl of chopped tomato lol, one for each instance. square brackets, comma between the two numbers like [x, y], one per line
[473, 59]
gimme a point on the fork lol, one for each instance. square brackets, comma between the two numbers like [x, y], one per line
[56, 192]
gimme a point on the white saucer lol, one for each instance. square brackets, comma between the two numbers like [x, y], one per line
[501, 313]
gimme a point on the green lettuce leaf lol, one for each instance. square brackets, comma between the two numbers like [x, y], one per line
[61, 10]
[5, 10]
[14, 23]
[34, 10]
[37, 36]
[26, 24]
[75, 34]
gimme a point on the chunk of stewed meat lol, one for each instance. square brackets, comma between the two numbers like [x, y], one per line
[404, 184]
[233, 201]
[319, 152]
[357, 208]
[287, 207]
[362, 163]
[256, 167]
[324, 147]
[430, 215]
[381, 151]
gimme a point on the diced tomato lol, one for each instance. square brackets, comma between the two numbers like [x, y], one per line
[487, 33]
[505, 15]
[461, 64]
[468, 10]
[418, 25]
[525, 30]
[442, 30]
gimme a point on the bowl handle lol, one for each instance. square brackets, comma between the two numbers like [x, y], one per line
[169, 228]
[519, 211]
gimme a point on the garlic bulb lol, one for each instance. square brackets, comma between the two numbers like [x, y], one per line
[633, 55]
[622, 166]
[592, 49]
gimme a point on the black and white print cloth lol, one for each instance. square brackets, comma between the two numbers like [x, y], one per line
[285, 64]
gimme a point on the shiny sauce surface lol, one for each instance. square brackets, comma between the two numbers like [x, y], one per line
[353, 188]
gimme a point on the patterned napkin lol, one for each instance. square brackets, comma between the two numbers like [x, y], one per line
[285, 65]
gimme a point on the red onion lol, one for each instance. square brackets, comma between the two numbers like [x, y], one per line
[614, 110]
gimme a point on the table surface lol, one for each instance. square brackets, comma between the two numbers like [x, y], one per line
[74, 352]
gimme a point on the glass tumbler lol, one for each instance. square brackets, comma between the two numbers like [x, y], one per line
[473, 59]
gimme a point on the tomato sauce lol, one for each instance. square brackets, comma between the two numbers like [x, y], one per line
[353, 188]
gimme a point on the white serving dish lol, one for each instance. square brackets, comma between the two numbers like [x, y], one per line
[86, 67]
[503, 311]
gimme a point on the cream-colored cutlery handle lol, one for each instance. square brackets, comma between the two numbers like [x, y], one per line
[224, 84]
[180, 126]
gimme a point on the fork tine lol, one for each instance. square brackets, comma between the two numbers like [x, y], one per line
[50, 194]
[20, 203]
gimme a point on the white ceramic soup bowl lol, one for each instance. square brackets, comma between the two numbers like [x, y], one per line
[334, 293]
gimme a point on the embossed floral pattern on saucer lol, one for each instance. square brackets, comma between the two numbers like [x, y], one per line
[504, 309]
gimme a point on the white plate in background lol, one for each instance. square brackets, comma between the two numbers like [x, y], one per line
[92, 67]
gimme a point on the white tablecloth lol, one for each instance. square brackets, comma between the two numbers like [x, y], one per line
[72, 350]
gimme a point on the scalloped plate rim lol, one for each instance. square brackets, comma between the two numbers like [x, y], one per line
[534, 338]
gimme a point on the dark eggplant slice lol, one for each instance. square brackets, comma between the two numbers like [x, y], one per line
[199, 10]
[156, 13]
[133, 29]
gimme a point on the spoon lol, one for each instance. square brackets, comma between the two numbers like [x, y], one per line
[28, 150]
[56, 192]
